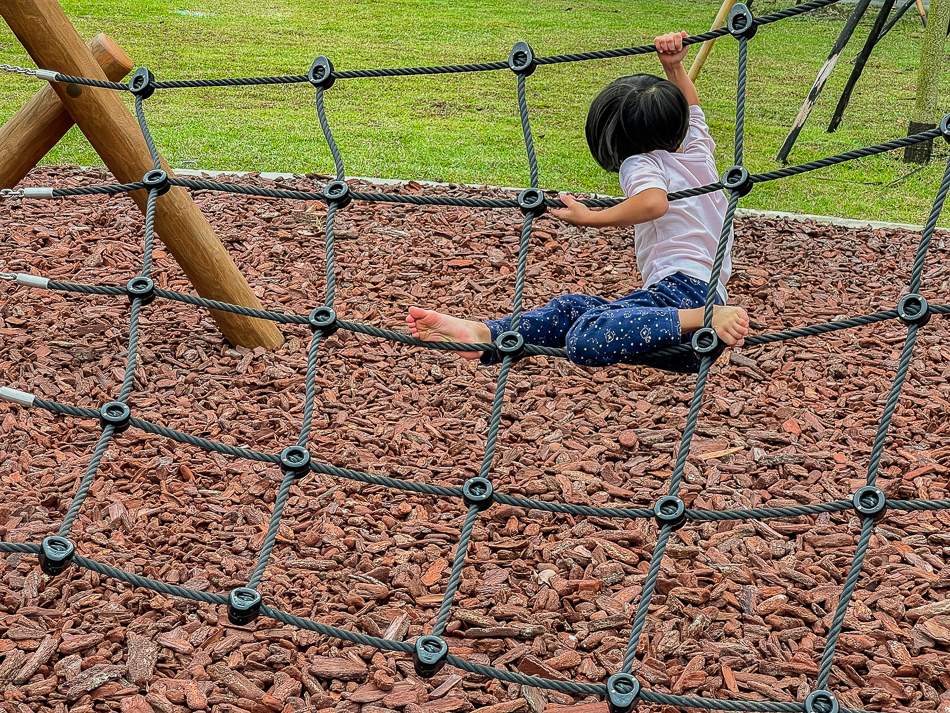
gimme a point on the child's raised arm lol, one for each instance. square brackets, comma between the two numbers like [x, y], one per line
[670, 50]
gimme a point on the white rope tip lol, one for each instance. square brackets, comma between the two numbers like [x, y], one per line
[22, 278]
[16, 396]
[37, 192]
[46, 75]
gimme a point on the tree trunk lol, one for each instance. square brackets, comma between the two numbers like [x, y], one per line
[932, 55]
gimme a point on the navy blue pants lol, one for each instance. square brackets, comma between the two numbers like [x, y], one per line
[597, 332]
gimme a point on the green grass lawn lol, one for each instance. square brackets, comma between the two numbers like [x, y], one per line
[465, 128]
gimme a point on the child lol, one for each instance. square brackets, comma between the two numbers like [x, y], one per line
[654, 134]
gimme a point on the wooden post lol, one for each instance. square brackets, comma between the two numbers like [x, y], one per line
[30, 133]
[859, 9]
[894, 20]
[862, 59]
[922, 12]
[50, 39]
[706, 48]
[924, 115]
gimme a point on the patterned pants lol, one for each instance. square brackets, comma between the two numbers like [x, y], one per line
[597, 332]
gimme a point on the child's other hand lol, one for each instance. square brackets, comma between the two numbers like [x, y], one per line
[574, 211]
[669, 48]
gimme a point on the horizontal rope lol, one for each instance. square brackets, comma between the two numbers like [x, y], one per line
[530, 349]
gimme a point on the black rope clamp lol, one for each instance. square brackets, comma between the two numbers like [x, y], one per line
[157, 179]
[430, 655]
[244, 605]
[321, 73]
[295, 460]
[142, 83]
[510, 344]
[56, 554]
[737, 179]
[821, 702]
[670, 510]
[870, 502]
[323, 319]
[706, 342]
[945, 128]
[115, 414]
[521, 60]
[141, 287]
[742, 22]
[622, 692]
[913, 309]
[338, 192]
[531, 200]
[478, 492]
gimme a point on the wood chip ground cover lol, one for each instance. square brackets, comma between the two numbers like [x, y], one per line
[741, 609]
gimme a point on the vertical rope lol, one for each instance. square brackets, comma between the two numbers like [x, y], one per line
[330, 255]
[131, 360]
[740, 98]
[331, 142]
[149, 232]
[456, 576]
[526, 130]
[143, 125]
[270, 538]
[649, 584]
[86, 482]
[310, 394]
[893, 397]
[929, 228]
[692, 418]
[827, 656]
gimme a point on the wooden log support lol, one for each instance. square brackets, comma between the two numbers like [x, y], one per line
[859, 9]
[30, 133]
[894, 20]
[707, 46]
[50, 39]
[860, 62]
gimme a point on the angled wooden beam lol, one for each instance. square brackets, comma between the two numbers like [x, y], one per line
[859, 9]
[50, 39]
[30, 133]
[860, 62]
[707, 46]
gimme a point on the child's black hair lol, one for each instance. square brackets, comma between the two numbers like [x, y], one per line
[636, 115]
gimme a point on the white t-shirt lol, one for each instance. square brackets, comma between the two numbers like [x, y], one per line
[686, 237]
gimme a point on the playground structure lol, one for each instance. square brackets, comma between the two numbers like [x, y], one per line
[51, 40]
[430, 652]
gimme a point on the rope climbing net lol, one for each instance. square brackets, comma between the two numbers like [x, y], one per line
[430, 652]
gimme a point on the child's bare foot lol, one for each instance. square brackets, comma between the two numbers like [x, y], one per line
[432, 326]
[730, 323]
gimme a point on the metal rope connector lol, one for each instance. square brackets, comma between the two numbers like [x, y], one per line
[47, 75]
[12, 193]
[16, 396]
[22, 278]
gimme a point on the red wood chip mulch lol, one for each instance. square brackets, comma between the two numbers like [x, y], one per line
[741, 609]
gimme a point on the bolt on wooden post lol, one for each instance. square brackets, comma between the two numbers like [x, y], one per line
[30, 133]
